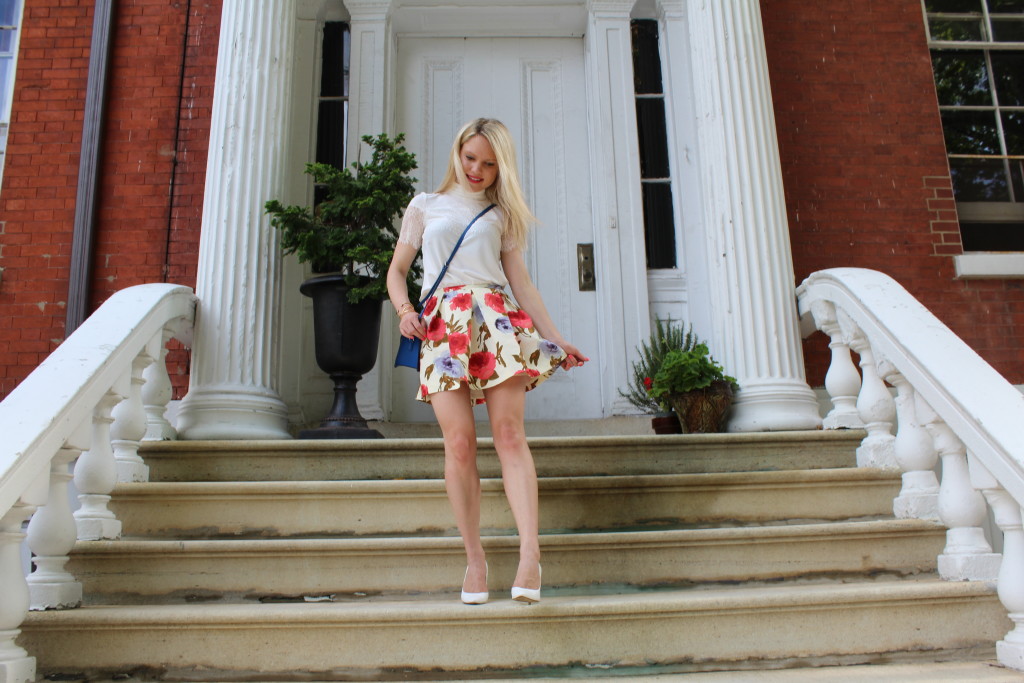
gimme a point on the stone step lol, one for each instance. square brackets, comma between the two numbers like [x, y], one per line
[133, 570]
[330, 460]
[420, 506]
[688, 629]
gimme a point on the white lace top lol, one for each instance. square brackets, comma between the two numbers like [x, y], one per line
[433, 222]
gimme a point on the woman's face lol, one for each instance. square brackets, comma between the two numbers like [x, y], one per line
[478, 164]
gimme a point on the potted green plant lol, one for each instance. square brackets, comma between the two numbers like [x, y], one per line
[697, 388]
[666, 336]
[348, 238]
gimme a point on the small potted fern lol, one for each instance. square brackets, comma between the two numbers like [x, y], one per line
[667, 336]
[696, 387]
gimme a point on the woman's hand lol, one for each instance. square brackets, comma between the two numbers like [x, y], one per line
[574, 359]
[412, 326]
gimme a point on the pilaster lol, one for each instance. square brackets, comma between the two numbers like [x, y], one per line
[617, 201]
[746, 248]
[232, 393]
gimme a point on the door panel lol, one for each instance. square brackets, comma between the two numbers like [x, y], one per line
[536, 87]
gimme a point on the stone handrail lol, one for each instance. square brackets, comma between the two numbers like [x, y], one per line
[91, 402]
[948, 404]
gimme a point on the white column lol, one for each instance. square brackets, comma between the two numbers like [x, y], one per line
[370, 99]
[617, 202]
[750, 283]
[232, 392]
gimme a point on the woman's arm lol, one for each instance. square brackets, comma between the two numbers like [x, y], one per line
[398, 291]
[529, 299]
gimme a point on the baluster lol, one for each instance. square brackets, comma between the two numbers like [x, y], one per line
[842, 381]
[156, 394]
[15, 664]
[876, 407]
[129, 426]
[967, 555]
[96, 475]
[916, 456]
[1010, 585]
[52, 534]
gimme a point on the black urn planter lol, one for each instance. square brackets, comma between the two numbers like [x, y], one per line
[345, 339]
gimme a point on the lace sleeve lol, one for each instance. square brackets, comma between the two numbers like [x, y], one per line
[412, 225]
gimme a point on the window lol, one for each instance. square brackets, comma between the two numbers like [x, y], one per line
[332, 108]
[655, 176]
[977, 49]
[10, 18]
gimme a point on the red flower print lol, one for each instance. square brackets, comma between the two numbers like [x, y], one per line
[461, 302]
[428, 308]
[520, 319]
[481, 364]
[495, 302]
[423, 390]
[458, 343]
[436, 329]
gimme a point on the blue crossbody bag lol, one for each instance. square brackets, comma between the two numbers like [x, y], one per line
[409, 348]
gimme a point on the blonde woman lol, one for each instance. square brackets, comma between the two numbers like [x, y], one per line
[478, 345]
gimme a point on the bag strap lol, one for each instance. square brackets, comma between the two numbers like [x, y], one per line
[450, 257]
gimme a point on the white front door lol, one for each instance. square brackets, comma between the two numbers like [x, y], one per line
[536, 87]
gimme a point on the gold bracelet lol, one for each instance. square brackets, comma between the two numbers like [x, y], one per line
[402, 309]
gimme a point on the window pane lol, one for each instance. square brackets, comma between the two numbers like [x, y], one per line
[979, 180]
[7, 10]
[956, 29]
[992, 236]
[659, 225]
[334, 70]
[330, 135]
[957, 6]
[646, 58]
[961, 78]
[1008, 30]
[1005, 6]
[7, 41]
[650, 119]
[971, 132]
[1008, 68]
[1013, 132]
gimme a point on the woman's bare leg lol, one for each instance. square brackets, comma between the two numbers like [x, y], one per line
[462, 480]
[505, 407]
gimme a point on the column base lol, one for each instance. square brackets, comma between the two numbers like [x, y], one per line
[1010, 650]
[774, 407]
[233, 413]
[97, 529]
[134, 472]
[917, 506]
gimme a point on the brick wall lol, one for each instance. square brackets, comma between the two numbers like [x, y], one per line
[152, 169]
[864, 167]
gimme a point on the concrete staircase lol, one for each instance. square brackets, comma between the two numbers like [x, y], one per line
[339, 561]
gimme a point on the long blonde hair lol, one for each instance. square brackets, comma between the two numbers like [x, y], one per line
[506, 190]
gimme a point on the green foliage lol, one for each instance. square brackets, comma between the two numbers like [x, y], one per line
[665, 338]
[687, 370]
[352, 230]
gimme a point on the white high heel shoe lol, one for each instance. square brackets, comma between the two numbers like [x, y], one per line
[527, 595]
[474, 598]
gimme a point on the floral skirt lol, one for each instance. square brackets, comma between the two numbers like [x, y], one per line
[477, 336]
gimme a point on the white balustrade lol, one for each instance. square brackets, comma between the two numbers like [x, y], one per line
[52, 533]
[96, 475]
[876, 407]
[1007, 514]
[842, 381]
[45, 430]
[916, 456]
